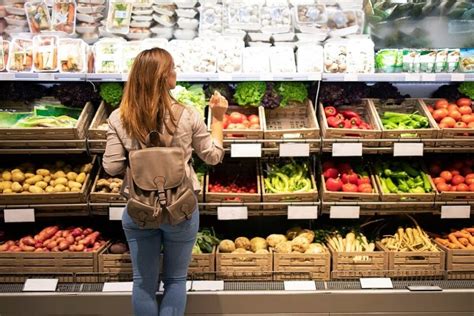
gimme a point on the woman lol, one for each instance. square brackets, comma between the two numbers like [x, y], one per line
[145, 103]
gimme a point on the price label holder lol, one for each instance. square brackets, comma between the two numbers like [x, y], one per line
[294, 150]
[458, 77]
[124, 77]
[299, 285]
[302, 212]
[423, 288]
[428, 77]
[347, 149]
[117, 287]
[455, 211]
[115, 213]
[408, 149]
[206, 286]
[266, 77]
[40, 285]
[376, 283]
[7, 76]
[246, 150]
[19, 215]
[412, 77]
[351, 77]
[338, 212]
[315, 76]
[224, 76]
[188, 286]
[230, 213]
[46, 76]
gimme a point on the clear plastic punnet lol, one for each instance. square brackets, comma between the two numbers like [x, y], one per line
[256, 60]
[130, 52]
[4, 52]
[37, 14]
[243, 16]
[64, 16]
[119, 16]
[282, 59]
[229, 54]
[108, 55]
[336, 53]
[310, 18]
[211, 20]
[310, 57]
[203, 55]
[45, 53]
[275, 19]
[20, 58]
[344, 22]
[183, 59]
[361, 55]
[72, 55]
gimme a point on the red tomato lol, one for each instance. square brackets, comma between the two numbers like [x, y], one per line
[460, 125]
[254, 119]
[349, 187]
[471, 125]
[334, 184]
[442, 125]
[231, 126]
[246, 123]
[446, 175]
[235, 118]
[457, 180]
[449, 121]
[465, 110]
[439, 180]
[363, 180]
[462, 187]
[441, 104]
[455, 115]
[350, 177]
[469, 181]
[453, 188]
[254, 126]
[330, 173]
[442, 187]
[330, 111]
[440, 114]
[464, 102]
[470, 176]
[430, 108]
[466, 118]
[365, 188]
[453, 107]
[471, 187]
[454, 172]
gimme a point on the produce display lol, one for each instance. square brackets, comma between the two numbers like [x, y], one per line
[343, 177]
[49, 178]
[118, 248]
[395, 120]
[345, 119]
[349, 55]
[460, 239]
[109, 185]
[452, 115]
[290, 177]
[409, 239]
[352, 242]
[239, 121]
[454, 176]
[239, 185]
[192, 95]
[206, 240]
[403, 177]
[269, 95]
[111, 93]
[54, 239]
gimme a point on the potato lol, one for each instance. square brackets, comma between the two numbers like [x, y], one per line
[308, 234]
[258, 243]
[52, 183]
[35, 189]
[59, 188]
[49, 189]
[26, 186]
[86, 168]
[71, 176]
[15, 170]
[262, 251]
[25, 192]
[239, 250]
[226, 246]
[275, 239]
[242, 242]
[16, 187]
[74, 184]
[68, 189]
[29, 175]
[6, 175]
[47, 179]
[41, 184]
[283, 247]
[75, 190]
[34, 179]
[300, 244]
[81, 177]
[61, 180]
[59, 174]
[6, 185]
[18, 176]
[7, 191]
[43, 172]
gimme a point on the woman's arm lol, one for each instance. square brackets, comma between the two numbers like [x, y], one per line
[114, 160]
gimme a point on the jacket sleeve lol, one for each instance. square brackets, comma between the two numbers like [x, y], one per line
[208, 149]
[115, 156]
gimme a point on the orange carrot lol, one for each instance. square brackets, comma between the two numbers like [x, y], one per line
[442, 241]
[464, 241]
[461, 234]
[454, 240]
[470, 229]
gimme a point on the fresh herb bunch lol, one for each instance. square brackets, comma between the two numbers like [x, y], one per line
[205, 240]
[291, 91]
[111, 93]
[250, 93]
[76, 94]
[271, 99]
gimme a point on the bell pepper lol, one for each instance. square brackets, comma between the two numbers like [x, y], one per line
[350, 114]
[334, 121]
[419, 190]
[347, 124]
[330, 111]
[355, 121]
[391, 186]
[426, 182]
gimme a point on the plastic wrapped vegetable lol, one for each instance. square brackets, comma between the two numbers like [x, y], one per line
[108, 55]
[45, 53]
[118, 18]
[64, 16]
[37, 14]
[72, 55]
[21, 56]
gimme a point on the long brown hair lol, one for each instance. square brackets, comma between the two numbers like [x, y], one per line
[147, 99]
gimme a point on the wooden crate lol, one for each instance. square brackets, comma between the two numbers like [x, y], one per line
[203, 266]
[406, 197]
[51, 198]
[290, 266]
[51, 262]
[202, 181]
[101, 197]
[115, 263]
[459, 134]
[96, 135]
[414, 263]
[236, 134]
[347, 265]
[331, 196]
[52, 133]
[311, 196]
[366, 112]
[234, 169]
[244, 266]
[407, 106]
[295, 121]
[459, 263]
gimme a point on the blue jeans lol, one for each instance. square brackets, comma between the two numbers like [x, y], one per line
[145, 247]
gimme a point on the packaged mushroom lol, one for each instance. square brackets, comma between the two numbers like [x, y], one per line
[118, 18]
[310, 18]
[20, 58]
[154, 42]
[109, 185]
[256, 60]
[72, 55]
[344, 22]
[64, 16]
[361, 54]
[244, 16]
[203, 54]
[183, 59]
[211, 19]
[310, 57]
[37, 14]
[229, 54]
[275, 19]
[282, 59]
[45, 53]
[108, 55]
[335, 56]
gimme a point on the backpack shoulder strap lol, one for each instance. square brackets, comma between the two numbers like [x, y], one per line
[169, 128]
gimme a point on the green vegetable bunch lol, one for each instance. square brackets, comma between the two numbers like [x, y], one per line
[291, 91]
[191, 95]
[290, 177]
[111, 93]
[394, 120]
[467, 88]
[250, 93]
[402, 177]
[206, 239]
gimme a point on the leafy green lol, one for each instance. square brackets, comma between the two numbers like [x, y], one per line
[192, 95]
[250, 93]
[467, 88]
[205, 240]
[291, 91]
[111, 93]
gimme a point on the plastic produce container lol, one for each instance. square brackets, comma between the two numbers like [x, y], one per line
[344, 22]
[37, 14]
[256, 60]
[244, 16]
[118, 18]
[181, 52]
[64, 16]
[275, 19]
[20, 58]
[130, 50]
[108, 55]
[310, 58]
[310, 18]
[229, 55]
[72, 55]
[282, 59]
[45, 53]
[210, 22]
[4, 52]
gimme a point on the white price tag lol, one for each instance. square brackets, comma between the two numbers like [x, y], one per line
[208, 286]
[344, 212]
[376, 283]
[351, 77]
[407, 149]
[117, 287]
[455, 211]
[40, 285]
[294, 150]
[228, 213]
[412, 77]
[299, 285]
[46, 76]
[266, 77]
[224, 76]
[188, 286]
[115, 213]
[458, 77]
[246, 150]
[7, 76]
[423, 288]
[347, 149]
[302, 212]
[315, 76]
[19, 215]
[124, 77]
[428, 77]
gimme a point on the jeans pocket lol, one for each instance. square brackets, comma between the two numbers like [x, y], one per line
[127, 221]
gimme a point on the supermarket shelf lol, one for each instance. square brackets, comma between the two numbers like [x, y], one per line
[41, 77]
[43, 146]
[400, 77]
[52, 210]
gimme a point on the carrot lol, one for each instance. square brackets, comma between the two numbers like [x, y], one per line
[442, 241]
[464, 241]
[470, 229]
[471, 240]
[460, 234]
[70, 14]
[455, 241]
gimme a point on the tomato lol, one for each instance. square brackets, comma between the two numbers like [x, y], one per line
[430, 108]
[330, 173]
[471, 187]
[255, 126]
[334, 184]
[439, 180]
[446, 175]
[460, 125]
[449, 121]
[442, 187]
[452, 107]
[442, 125]
[469, 181]
[231, 126]
[470, 125]
[454, 172]
[441, 104]
[254, 119]
[240, 126]
[328, 164]
[349, 178]
[235, 118]
[464, 102]
[453, 188]
[440, 114]
[349, 187]
[455, 115]
[458, 179]
[330, 111]
[246, 123]
[466, 118]
[365, 188]
[462, 187]
[470, 176]
[363, 180]
[465, 110]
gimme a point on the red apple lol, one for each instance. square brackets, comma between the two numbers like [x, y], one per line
[334, 184]
[330, 173]
[349, 187]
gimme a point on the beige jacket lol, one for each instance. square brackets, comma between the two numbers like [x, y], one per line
[191, 134]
